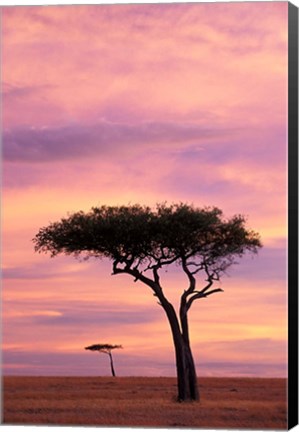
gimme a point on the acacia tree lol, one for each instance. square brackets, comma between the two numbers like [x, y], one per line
[141, 241]
[106, 349]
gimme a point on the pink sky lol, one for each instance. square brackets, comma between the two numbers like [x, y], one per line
[142, 103]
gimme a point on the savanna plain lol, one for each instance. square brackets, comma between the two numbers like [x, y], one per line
[243, 403]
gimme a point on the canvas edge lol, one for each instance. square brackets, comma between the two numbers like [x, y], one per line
[292, 215]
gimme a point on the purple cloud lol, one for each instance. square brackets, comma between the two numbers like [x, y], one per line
[90, 317]
[76, 141]
[15, 92]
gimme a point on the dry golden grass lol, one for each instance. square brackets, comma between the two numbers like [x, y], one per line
[243, 403]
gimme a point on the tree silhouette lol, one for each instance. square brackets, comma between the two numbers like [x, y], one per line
[141, 241]
[106, 349]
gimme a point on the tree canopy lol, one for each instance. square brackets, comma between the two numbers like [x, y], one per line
[105, 348]
[138, 237]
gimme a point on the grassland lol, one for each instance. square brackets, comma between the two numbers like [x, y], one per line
[242, 403]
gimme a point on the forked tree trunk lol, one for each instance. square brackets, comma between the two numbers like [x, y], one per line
[186, 373]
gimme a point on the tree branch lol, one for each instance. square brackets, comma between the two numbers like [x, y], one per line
[201, 294]
[184, 296]
[156, 275]
[153, 284]
[199, 267]
[160, 263]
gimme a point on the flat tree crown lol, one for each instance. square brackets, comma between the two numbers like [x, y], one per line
[102, 347]
[139, 235]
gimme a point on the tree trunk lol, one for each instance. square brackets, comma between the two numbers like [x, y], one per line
[186, 373]
[111, 364]
[190, 366]
[191, 374]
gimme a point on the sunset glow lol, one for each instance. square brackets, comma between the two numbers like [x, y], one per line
[146, 103]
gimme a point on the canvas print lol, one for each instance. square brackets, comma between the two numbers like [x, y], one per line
[145, 215]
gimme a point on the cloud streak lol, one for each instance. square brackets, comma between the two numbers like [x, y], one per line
[75, 141]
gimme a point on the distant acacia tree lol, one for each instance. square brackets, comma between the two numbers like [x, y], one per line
[141, 241]
[106, 349]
